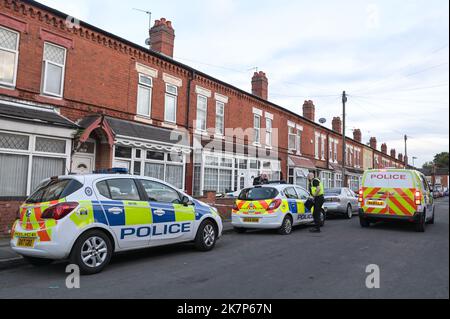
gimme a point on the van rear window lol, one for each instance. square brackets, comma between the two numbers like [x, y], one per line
[389, 180]
[258, 193]
[54, 190]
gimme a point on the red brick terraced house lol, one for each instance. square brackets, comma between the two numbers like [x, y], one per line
[75, 98]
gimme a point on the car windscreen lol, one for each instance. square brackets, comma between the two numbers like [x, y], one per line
[389, 179]
[333, 192]
[54, 190]
[258, 193]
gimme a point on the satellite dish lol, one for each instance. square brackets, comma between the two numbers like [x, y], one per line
[322, 121]
[147, 41]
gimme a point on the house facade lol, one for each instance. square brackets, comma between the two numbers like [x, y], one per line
[75, 99]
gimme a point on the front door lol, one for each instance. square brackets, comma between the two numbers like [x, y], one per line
[83, 163]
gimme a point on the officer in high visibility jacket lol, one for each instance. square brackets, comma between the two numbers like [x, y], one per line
[317, 191]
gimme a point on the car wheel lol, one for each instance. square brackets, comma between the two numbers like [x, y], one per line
[37, 262]
[92, 252]
[420, 224]
[431, 221]
[206, 236]
[349, 214]
[286, 226]
[364, 222]
[240, 230]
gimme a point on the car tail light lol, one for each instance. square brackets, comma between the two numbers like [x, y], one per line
[59, 211]
[361, 195]
[418, 197]
[275, 204]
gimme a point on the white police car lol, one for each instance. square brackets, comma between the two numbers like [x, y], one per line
[272, 206]
[86, 218]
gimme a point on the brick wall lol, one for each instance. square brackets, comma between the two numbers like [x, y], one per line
[8, 212]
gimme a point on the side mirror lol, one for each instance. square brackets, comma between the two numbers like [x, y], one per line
[186, 201]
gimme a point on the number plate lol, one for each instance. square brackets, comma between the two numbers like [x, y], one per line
[26, 242]
[251, 220]
[375, 203]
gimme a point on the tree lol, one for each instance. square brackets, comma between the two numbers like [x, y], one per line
[428, 166]
[441, 160]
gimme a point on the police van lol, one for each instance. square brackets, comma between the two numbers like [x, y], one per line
[272, 206]
[396, 194]
[86, 218]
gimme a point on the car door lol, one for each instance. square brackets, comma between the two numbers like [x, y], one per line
[303, 195]
[128, 215]
[172, 221]
[351, 199]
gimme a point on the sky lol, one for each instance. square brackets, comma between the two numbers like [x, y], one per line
[390, 56]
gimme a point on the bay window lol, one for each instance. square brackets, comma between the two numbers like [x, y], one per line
[53, 70]
[9, 53]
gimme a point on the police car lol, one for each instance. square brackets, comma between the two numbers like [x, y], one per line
[86, 218]
[272, 206]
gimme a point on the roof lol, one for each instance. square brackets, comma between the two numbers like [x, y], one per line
[40, 116]
[301, 162]
[186, 67]
[140, 131]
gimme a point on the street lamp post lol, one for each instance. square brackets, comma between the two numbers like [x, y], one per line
[344, 101]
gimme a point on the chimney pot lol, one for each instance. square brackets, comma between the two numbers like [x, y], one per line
[260, 85]
[162, 37]
[384, 148]
[309, 110]
[393, 153]
[400, 157]
[337, 125]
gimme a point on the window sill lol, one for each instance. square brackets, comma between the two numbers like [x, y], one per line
[257, 144]
[169, 125]
[143, 119]
[269, 148]
[201, 133]
[219, 136]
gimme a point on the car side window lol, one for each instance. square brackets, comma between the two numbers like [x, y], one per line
[302, 194]
[290, 193]
[119, 189]
[160, 193]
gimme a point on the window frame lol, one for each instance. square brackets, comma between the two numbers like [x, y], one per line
[257, 129]
[45, 73]
[140, 181]
[144, 86]
[106, 180]
[174, 95]
[220, 130]
[202, 98]
[291, 133]
[269, 132]
[16, 60]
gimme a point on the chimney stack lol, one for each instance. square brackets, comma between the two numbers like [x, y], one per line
[373, 143]
[162, 37]
[357, 135]
[260, 85]
[393, 153]
[384, 148]
[309, 110]
[337, 125]
[400, 157]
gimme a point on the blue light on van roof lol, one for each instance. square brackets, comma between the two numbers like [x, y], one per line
[114, 170]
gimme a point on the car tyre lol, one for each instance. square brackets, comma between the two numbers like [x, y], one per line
[349, 214]
[431, 221]
[240, 230]
[206, 237]
[286, 226]
[364, 222]
[96, 245]
[37, 262]
[420, 224]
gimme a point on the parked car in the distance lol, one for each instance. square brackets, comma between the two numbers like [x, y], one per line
[341, 201]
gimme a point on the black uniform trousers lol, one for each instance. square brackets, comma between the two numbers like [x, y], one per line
[318, 204]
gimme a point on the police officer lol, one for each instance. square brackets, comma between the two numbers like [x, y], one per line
[317, 191]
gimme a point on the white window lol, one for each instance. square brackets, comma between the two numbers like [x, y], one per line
[144, 104]
[220, 118]
[269, 132]
[9, 53]
[257, 128]
[299, 141]
[292, 139]
[316, 146]
[170, 108]
[202, 111]
[330, 150]
[323, 148]
[26, 160]
[335, 151]
[54, 65]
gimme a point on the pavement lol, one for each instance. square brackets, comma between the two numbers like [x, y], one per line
[263, 264]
